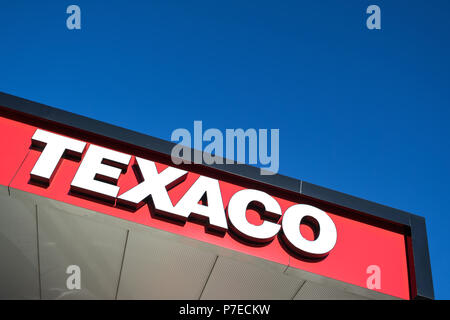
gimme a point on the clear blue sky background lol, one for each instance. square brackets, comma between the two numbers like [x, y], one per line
[360, 111]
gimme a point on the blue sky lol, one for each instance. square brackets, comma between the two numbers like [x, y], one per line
[361, 111]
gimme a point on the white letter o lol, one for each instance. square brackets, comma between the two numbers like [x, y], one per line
[317, 248]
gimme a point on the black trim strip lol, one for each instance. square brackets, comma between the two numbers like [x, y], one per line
[421, 257]
[354, 203]
[416, 224]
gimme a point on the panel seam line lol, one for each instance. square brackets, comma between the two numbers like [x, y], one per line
[15, 173]
[296, 293]
[38, 254]
[121, 265]
[207, 279]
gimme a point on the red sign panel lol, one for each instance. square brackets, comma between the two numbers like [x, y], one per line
[333, 244]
